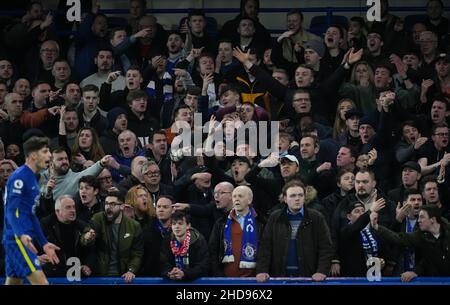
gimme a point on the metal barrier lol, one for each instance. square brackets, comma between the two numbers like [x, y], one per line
[213, 281]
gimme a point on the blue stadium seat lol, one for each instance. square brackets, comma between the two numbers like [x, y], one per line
[410, 20]
[211, 26]
[319, 24]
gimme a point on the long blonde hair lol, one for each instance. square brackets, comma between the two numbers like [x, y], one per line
[339, 124]
[369, 70]
[132, 199]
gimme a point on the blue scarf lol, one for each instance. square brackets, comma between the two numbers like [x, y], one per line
[409, 255]
[249, 241]
[369, 243]
[167, 87]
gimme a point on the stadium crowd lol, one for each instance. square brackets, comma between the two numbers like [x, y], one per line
[362, 153]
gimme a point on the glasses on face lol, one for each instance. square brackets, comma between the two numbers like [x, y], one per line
[442, 134]
[106, 178]
[152, 174]
[220, 193]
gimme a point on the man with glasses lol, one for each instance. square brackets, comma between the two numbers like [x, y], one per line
[152, 181]
[105, 183]
[436, 151]
[42, 69]
[234, 239]
[118, 240]
[222, 199]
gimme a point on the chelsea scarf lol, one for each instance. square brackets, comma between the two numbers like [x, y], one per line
[180, 250]
[167, 87]
[249, 241]
[369, 243]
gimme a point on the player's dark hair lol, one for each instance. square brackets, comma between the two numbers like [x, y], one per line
[34, 144]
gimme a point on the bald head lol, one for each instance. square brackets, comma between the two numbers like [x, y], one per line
[136, 166]
[222, 196]
[242, 197]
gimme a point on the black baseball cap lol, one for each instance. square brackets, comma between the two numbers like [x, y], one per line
[412, 165]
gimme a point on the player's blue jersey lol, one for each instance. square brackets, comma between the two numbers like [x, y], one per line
[21, 197]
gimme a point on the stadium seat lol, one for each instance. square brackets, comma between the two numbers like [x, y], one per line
[410, 20]
[114, 22]
[319, 24]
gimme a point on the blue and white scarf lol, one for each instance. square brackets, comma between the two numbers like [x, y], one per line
[167, 87]
[249, 241]
[369, 243]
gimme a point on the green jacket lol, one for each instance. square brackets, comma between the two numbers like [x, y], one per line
[131, 247]
[435, 253]
[365, 97]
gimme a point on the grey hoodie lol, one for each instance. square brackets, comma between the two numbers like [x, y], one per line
[68, 183]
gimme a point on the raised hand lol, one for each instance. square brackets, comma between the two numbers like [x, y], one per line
[426, 84]
[89, 235]
[373, 155]
[54, 94]
[324, 166]
[156, 61]
[402, 211]
[270, 161]
[212, 125]
[286, 34]
[143, 33]
[185, 27]
[241, 56]
[54, 110]
[353, 56]
[378, 205]
[112, 77]
[419, 142]
[374, 220]
[47, 22]
[195, 53]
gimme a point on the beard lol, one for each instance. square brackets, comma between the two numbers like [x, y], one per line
[62, 171]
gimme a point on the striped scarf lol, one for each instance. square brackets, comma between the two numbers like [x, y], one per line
[180, 250]
[249, 241]
[167, 87]
[369, 243]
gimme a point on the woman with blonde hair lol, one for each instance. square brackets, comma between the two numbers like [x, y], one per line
[361, 88]
[138, 197]
[339, 122]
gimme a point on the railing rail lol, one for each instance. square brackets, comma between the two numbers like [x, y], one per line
[388, 281]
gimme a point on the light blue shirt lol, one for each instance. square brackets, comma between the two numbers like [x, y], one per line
[241, 219]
